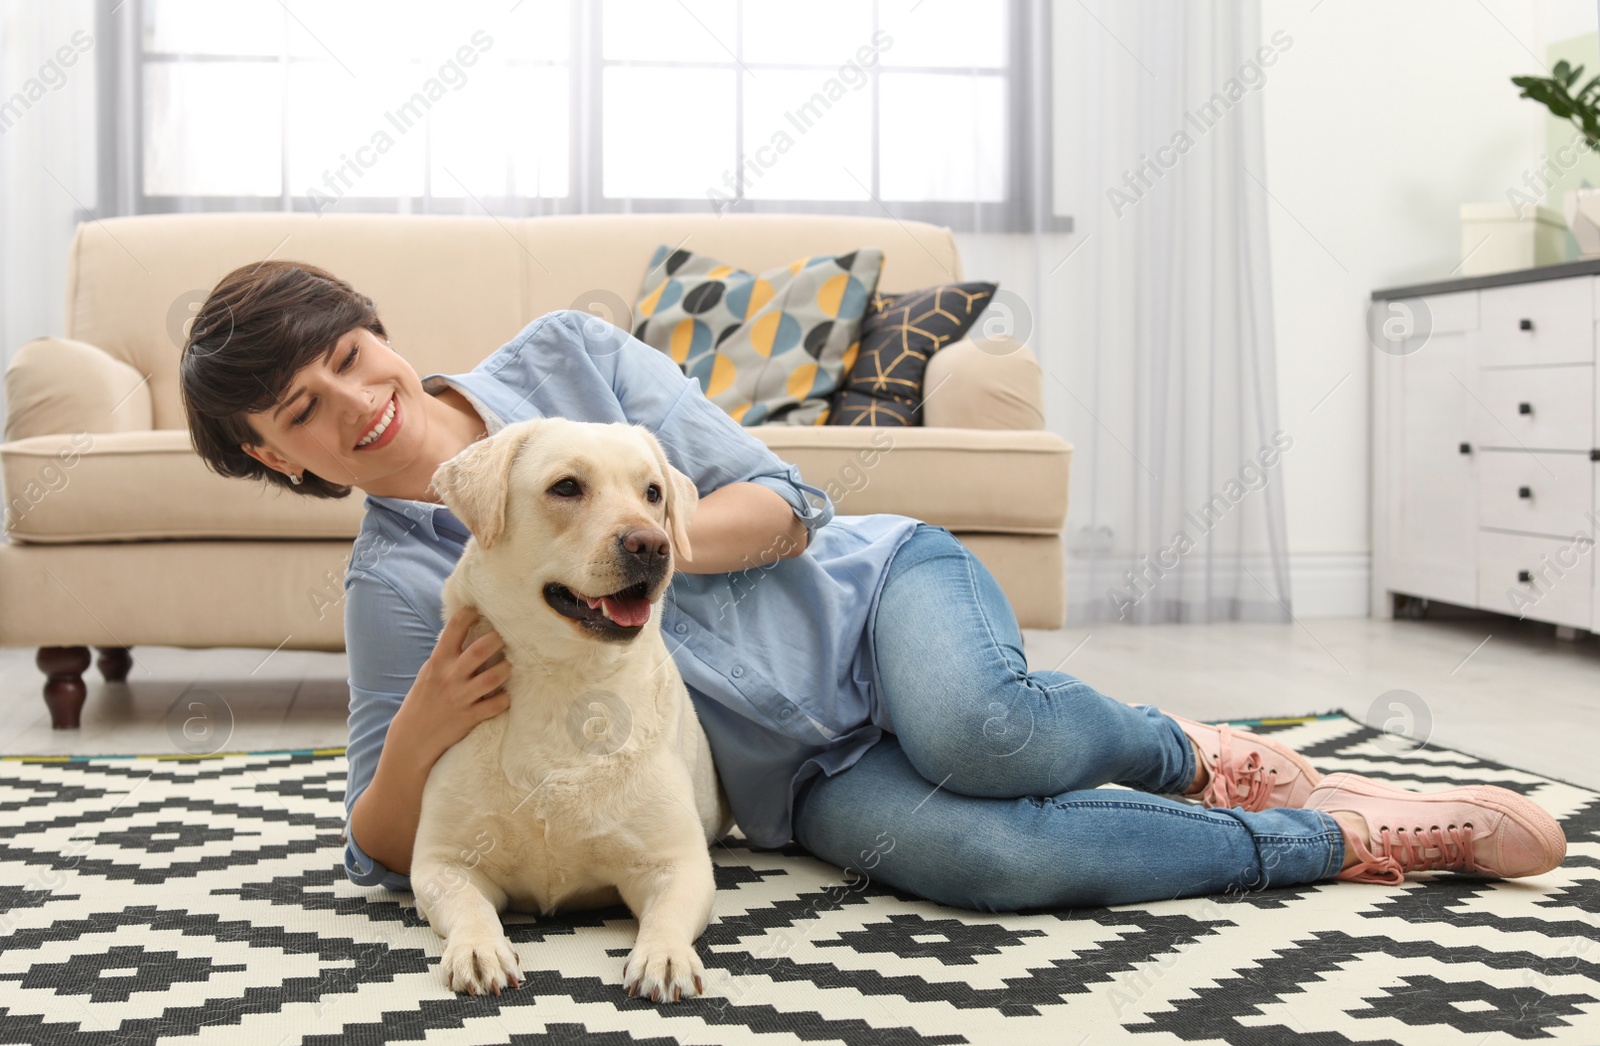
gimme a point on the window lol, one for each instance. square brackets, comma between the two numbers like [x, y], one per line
[919, 107]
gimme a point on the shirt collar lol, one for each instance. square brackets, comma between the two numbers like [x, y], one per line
[467, 385]
[436, 522]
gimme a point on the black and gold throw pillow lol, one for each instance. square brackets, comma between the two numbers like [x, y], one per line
[898, 334]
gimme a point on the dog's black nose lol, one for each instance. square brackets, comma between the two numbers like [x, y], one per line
[646, 544]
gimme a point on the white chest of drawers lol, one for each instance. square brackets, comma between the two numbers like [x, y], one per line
[1486, 445]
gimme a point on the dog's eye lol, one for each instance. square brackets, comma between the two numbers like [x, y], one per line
[567, 488]
[652, 493]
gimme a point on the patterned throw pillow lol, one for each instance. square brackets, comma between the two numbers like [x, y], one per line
[899, 333]
[766, 348]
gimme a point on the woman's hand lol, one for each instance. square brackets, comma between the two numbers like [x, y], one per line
[456, 688]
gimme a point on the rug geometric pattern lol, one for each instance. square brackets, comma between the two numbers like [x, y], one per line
[201, 900]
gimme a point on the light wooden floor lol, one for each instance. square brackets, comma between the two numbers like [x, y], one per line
[1491, 686]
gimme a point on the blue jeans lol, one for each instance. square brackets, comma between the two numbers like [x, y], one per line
[986, 795]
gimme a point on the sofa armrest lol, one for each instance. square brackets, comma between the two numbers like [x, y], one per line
[57, 385]
[993, 385]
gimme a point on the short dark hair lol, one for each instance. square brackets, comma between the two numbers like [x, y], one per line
[256, 330]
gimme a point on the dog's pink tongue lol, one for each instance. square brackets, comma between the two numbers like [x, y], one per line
[627, 611]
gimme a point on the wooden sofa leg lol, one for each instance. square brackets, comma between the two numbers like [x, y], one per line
[64, 691]
[114, 663]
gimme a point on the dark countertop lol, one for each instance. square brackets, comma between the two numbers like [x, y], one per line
[1589, 267]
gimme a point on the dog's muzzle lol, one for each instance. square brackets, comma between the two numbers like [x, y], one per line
[644, 561]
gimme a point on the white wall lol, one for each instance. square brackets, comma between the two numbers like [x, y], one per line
[1380, 122]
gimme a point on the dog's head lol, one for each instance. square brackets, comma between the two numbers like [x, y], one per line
[590, 514]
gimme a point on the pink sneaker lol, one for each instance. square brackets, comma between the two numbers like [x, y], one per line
[1249, 770]
[1479, 830]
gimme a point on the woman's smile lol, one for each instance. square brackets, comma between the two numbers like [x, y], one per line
[384, 429]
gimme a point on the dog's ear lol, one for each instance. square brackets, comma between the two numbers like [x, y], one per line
[681, 497]
[474, 483]
[680, 509]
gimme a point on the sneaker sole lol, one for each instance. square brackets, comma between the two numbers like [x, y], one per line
[1514, 805]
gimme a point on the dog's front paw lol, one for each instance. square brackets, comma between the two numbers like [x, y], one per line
[664, 973]
[480, 965]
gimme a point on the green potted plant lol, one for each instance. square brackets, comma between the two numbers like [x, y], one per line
[1582, 110]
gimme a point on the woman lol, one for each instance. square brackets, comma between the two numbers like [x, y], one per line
[860, 678]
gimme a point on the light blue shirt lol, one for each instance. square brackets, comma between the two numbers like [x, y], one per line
[777, 659]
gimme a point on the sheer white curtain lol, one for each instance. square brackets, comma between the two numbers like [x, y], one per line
[1039, 130]
[48, 172]
[1160, 352]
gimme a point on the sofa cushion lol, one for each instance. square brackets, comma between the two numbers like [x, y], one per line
[898, 334]
[142, 486]
[961, 479]
[139, 486]
[768, 347]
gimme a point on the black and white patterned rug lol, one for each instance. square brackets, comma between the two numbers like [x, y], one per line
[201, 900]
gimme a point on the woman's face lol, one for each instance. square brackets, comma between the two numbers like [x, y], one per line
[331, 406]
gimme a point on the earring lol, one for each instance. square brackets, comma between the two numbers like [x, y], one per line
[296, 480]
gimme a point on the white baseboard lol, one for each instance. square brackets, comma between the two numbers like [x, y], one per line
[1330, 584]
[1321, 585]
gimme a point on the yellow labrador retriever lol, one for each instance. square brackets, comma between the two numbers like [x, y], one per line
[596, 785]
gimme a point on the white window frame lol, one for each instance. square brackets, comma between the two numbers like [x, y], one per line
[1024, 208]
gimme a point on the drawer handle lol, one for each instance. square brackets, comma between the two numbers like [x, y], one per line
[1524, 408]
[1526, 325]
[1524, 576]
[1466, 448]
[1524, 492]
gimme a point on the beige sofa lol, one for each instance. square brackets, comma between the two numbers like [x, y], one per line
[118, 536]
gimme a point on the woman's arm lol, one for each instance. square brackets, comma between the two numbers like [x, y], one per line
[742, 525]
[415, 690]
[588, 357]
[384, 819]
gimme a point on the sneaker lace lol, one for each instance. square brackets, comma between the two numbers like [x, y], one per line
[1398, 851]
[1234, 782]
